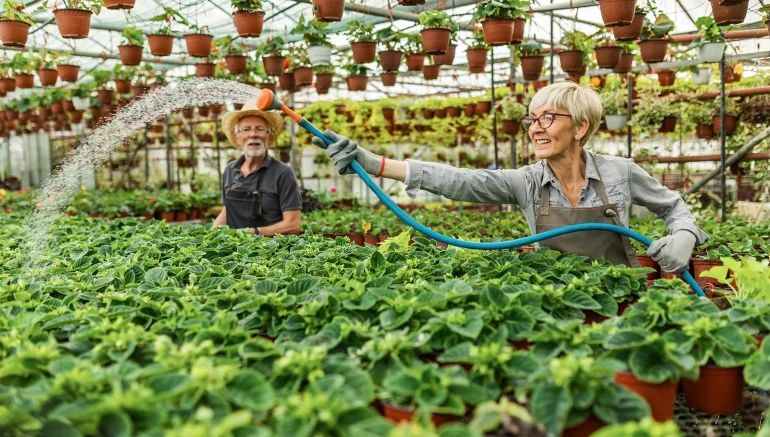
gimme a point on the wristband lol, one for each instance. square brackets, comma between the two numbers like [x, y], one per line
[382, 168]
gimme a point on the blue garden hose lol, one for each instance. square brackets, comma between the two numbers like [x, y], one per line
[267, 100]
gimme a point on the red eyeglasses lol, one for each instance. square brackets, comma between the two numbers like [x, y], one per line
[545, 120]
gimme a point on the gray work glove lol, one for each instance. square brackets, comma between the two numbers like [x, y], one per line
[343, 152]
[673, 252]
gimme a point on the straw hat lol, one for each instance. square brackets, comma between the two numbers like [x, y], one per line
[231, 119]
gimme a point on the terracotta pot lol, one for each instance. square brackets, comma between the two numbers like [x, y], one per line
[389, 113]
[718, 391]
[731, 123]
[470, 109]
[160, 45]
[286, 82]
[669, 124]
[274, 65]
[701, 265]
[323, 80]
[364, 51]
[498, 31]
[399, 414]
[477, 58]
[180, 216]
[532, 66]
[119, 4]
[139, 90]
[441, 113]
[303, 76]
[454, 111]
[704, 131]
[329, 10]
[122, 86]
[428, 114]
[76, 116]
[357, 239]
[357, 83]
[105, 96]
[167, 216]
[24, 81]
[7, 85]
[666, 78]
[73, 23]
[483, 107]
[415, 61]
[511, 127]
[660, 397]
[571, 60]
[130, 54]
[646, 261]
[630, 32]
[68, 106]
[68, 72]
[236, 64]
[48, 76]
[447, 58]
[617, 12]
[249, 24]
[198, 44]
[519, 25]
[430, 72]
[653, 50]
[371, 239]
[729, 14]
[390, 60]
[592, 317]
[388, 79]
[435, 41]
[608, 57]
[14, 33]
[625, 65]
[584, 429]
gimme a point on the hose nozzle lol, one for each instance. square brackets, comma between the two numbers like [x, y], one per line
[267, 101]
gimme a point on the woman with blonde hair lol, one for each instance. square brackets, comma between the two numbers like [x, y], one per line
[569, 185]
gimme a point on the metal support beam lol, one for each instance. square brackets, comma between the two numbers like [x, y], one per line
[723, 191]
[85, 54]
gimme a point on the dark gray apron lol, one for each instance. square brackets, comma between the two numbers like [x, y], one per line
[615, 248]
[246, 199]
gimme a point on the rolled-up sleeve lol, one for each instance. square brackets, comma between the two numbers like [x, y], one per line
[481, 186]
[668, 205]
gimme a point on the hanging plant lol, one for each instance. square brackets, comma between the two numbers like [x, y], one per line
[654, 114]
[631, 31]
[123, 75]
[233, 53]
[607, 52]
[272, 58]
[532, 58]
[22, 67]
[499, 18]
[362, 41]
[119, 4]
[436, 31]
[701, 114]
[198, 41]
[162, 40]
[324, 76]
[654, 39]
[512, 113]
[711, 41]
[415, 56]
[45, 65]
[131, 46]
[316, 34]
[390, 59]
[477, 52]
[74, 22]
[66, 69]
[14, 24]
[614, 105]
[448, 58]
[357, 75]
[299, 66]
[248, 17]
[328, 10]
[625, 65]
[579, 46]
[729, 11]
[617, 12]
[731, 118]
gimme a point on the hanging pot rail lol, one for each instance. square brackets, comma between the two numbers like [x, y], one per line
[701, 158]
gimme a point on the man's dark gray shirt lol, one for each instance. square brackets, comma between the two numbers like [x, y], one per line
[279, 192]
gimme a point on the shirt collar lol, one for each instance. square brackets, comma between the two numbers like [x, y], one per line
[591, 171]
[266, 164]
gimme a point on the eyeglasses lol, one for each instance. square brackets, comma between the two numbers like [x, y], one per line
[259, 130]
[545, 120]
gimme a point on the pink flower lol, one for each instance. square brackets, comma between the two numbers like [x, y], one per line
[333, 189]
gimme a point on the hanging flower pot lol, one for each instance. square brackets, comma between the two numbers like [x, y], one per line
[718, 391]
[390, 60]
[539, 84]
[653, 50]
[274, 65]
[711, 52]
[441, 113]
[324, 80]
[518, 30]
[303, 76]
[483, 107]
[130, 54]
[498, 31]
[73, 23]
[388, 78]
[617, 12]
[469, 109]
[364, 51]
[328, 10]
[248, 24]
[703, 76]
[357, 83]
[447, 58]
[24, 81]
[608, 57]
[198, 44]
[511, 127]
[454, 111]
[669, 124]
[630, 32]
[625, 65]
[319, 55]
[68, 72]
[661, 397]
[731, 123]
[76, 117]
[139, 90]
[160, 45]
[571, 60]
[704, 131]
[14, 33]
[105, 96]
[286, 81]
[435, 41]
[204, 111]
[205, 69]
[236, 64]
[532, 66]
[616, 122]
[48, 76]
[430, 72]
[57, 108]
[477, 59]
[415, 61]
[666, 77]
[122, 86]
[119, 4]
[729, 14]
[389, 113]
[428, 114]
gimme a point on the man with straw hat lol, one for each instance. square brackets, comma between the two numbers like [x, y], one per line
[258, 191]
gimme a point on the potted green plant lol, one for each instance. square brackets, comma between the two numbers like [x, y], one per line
[530, 53]
[729, 11]
[162, 40]
[300, 66]
[627, 55]
[502, 21]
[316, 35]
[123, 75]
[654, 38]
[576, 56]
[198, 41]
[66, 69]
[711, 41]
[248, 18]
[131, 46]
[512, 111]
[328, 10]
[607, 51]
[614, 105]
[22, 67]
[415, 56]
[81, 94]
[731, 117]
[631, 31]
[362, 41]
[119, 4]
[233, 53]
[357, 75]
[14, 24]
[655, 114]
[477, 52]
[766, 18]
[617, 12]
[272, 58]
[45, 64]
[74, 21]
[646, 427]
[390, 59]
[435, 32]
[701, 113]
[324, 76]
[448, 58]
[431, 71]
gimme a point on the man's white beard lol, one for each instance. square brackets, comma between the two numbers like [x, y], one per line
[257, 152]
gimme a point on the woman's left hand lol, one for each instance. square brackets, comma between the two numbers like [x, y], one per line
[673, 252]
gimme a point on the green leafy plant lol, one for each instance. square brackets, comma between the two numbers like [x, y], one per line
[412, 43]
[22, 64]
[390, 38]
[501, 9]
[94, 6]
[247, 5]
[227, 47]
[699, 111]
[651, 111]
[614, 101]
[748, 278]
[167, 18]
[751, 316]
[646, 427]
[123, 72]
[477, 40]
[604, 38]
[132, 36]
[354, 69]
[358, 31]
[529, 47]
[46, 59]
[658, 29]
[315, 32]
[15, 11]
[513, 110]
[710, 31]
[271, 47]
[577, 40]
[434, 19]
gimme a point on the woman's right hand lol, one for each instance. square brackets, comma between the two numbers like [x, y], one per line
[343, 151]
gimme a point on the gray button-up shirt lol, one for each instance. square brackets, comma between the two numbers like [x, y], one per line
[626, 183]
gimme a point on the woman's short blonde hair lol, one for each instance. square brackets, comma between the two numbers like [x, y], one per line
[582, 103]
